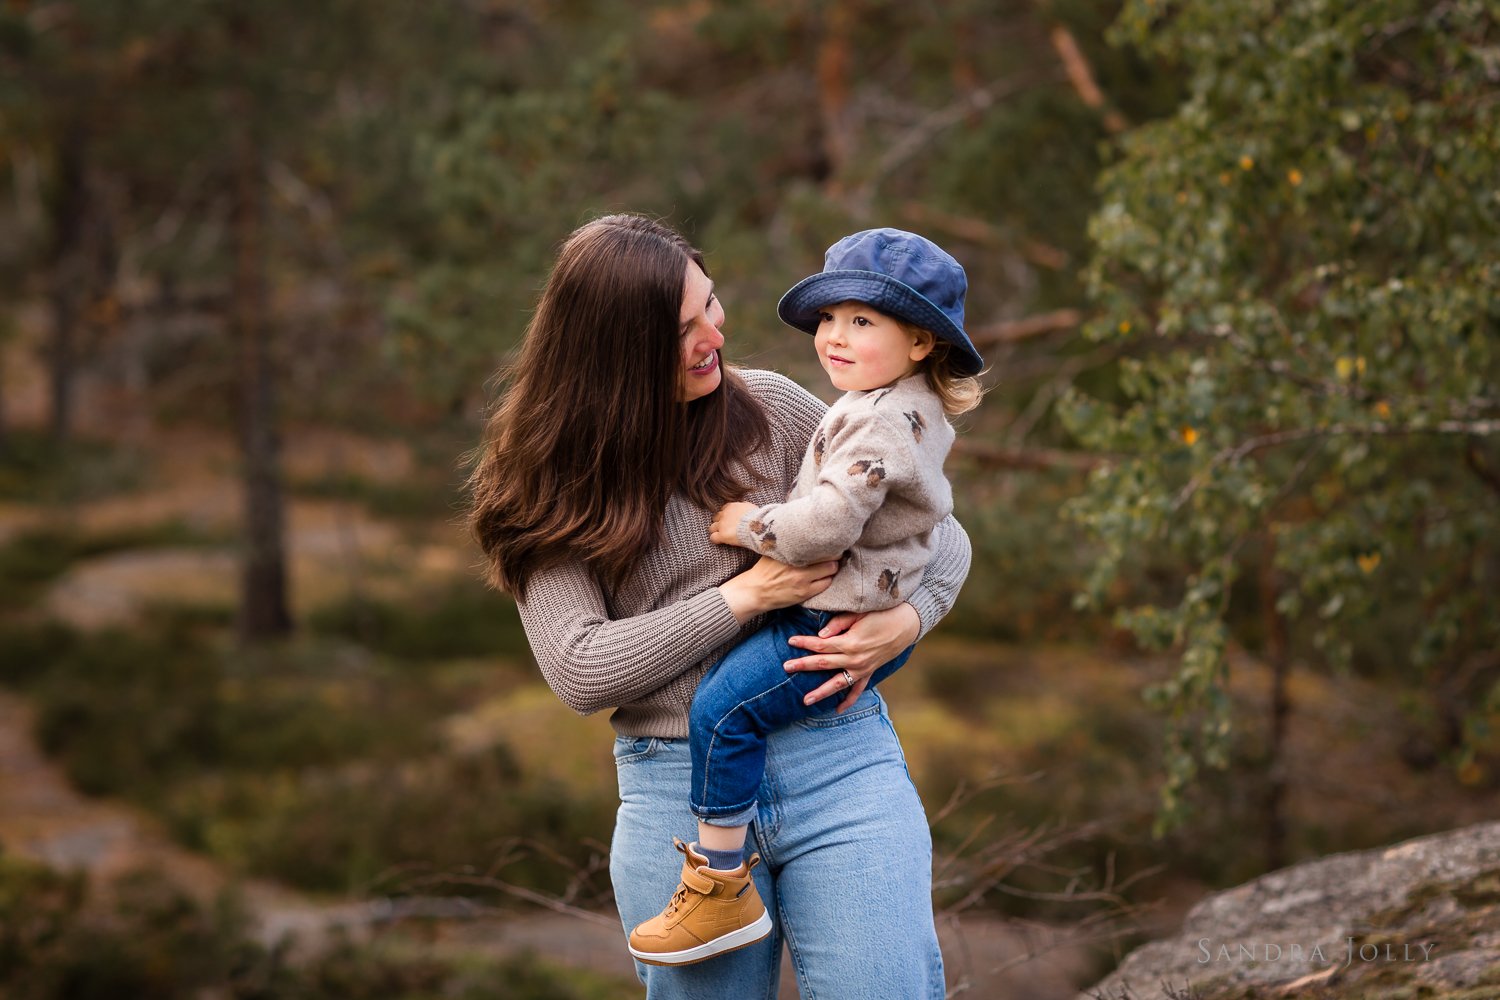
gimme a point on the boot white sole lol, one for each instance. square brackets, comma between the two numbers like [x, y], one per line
[733, 941]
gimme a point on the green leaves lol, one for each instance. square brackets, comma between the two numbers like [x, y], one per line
[1305, 256]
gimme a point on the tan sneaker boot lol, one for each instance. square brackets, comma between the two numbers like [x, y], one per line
[712, 912]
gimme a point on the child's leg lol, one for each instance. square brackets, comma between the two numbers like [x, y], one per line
[747, 695]
[722, 839]
[723, 846]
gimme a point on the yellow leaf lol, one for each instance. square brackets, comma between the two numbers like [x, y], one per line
[1189, 434]
[1368, 562]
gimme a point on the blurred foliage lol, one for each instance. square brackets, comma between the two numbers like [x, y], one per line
[461, 618]
[457, 824]
[145, 937]
[36, 469]
[1303, 257]
[717, 117]
[132, 712]
[419, 499]
[423, 163]
[33, 558]
[317, 763]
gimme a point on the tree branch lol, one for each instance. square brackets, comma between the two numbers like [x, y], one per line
[1236, 452]
[916, 138]
[986, 234]
[1477, 466]
[1081, 75]
[1012, 330]
[1062, 377]
[1032, 458]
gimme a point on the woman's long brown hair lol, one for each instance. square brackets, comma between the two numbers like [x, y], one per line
[589, 439]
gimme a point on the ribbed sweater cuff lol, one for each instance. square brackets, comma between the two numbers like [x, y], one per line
[711, 618]
[929, 611]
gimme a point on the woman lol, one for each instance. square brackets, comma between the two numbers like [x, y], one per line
[619, 434]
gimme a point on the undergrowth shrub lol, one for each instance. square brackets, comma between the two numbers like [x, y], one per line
[146, 937]
[423, 826]
[462, 618]
[32, 559]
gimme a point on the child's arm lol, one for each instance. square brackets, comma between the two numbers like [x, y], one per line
[859, 467]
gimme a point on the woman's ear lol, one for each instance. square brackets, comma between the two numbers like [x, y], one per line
[922, 344]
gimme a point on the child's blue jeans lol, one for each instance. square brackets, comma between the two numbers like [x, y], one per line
[744, 698]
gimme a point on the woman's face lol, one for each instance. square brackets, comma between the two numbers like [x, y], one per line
[701, 317]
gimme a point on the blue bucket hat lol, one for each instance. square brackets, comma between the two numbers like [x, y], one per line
[901, 274]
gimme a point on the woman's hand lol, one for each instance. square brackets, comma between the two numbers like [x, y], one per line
[769, 585]
[725, 527]
[858, 643]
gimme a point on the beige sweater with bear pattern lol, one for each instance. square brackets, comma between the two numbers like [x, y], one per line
[870, 491]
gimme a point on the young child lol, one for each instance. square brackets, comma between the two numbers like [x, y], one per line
[887, 315]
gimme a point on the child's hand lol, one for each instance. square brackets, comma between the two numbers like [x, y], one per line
[724, 530]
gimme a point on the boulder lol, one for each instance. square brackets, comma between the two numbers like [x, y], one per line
[1419, 919]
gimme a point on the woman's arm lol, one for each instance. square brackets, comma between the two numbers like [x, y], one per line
[860, 644]
[592, 661]
[944, 576]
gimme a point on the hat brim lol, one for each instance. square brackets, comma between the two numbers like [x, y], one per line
[800, 306]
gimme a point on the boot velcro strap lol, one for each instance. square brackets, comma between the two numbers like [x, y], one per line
[697, 881]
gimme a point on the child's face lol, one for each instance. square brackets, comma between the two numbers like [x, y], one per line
[862, 348]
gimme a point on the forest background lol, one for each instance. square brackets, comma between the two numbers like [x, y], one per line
[1232, 493]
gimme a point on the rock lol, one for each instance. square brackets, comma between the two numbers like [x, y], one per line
[1421, 918]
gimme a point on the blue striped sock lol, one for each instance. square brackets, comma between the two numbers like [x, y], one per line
[723, 861]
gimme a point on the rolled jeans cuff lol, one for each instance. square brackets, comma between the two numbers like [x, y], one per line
[740, 817]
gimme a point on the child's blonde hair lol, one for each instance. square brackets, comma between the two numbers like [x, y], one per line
[958, 393]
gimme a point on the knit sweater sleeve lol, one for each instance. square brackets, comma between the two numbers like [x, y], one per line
[865, 460]
[945, 574]
[592, 661]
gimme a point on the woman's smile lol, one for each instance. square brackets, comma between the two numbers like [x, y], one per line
[701, 316]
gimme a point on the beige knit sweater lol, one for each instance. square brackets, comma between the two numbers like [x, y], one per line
[870, 491]
[643, 648]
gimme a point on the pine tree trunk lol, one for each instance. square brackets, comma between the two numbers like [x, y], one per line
[1279, 658]
[4, 427]
[263, 597]
[833, 93]
[69, 209]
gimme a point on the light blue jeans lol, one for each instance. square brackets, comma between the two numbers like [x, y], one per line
[847, 870]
